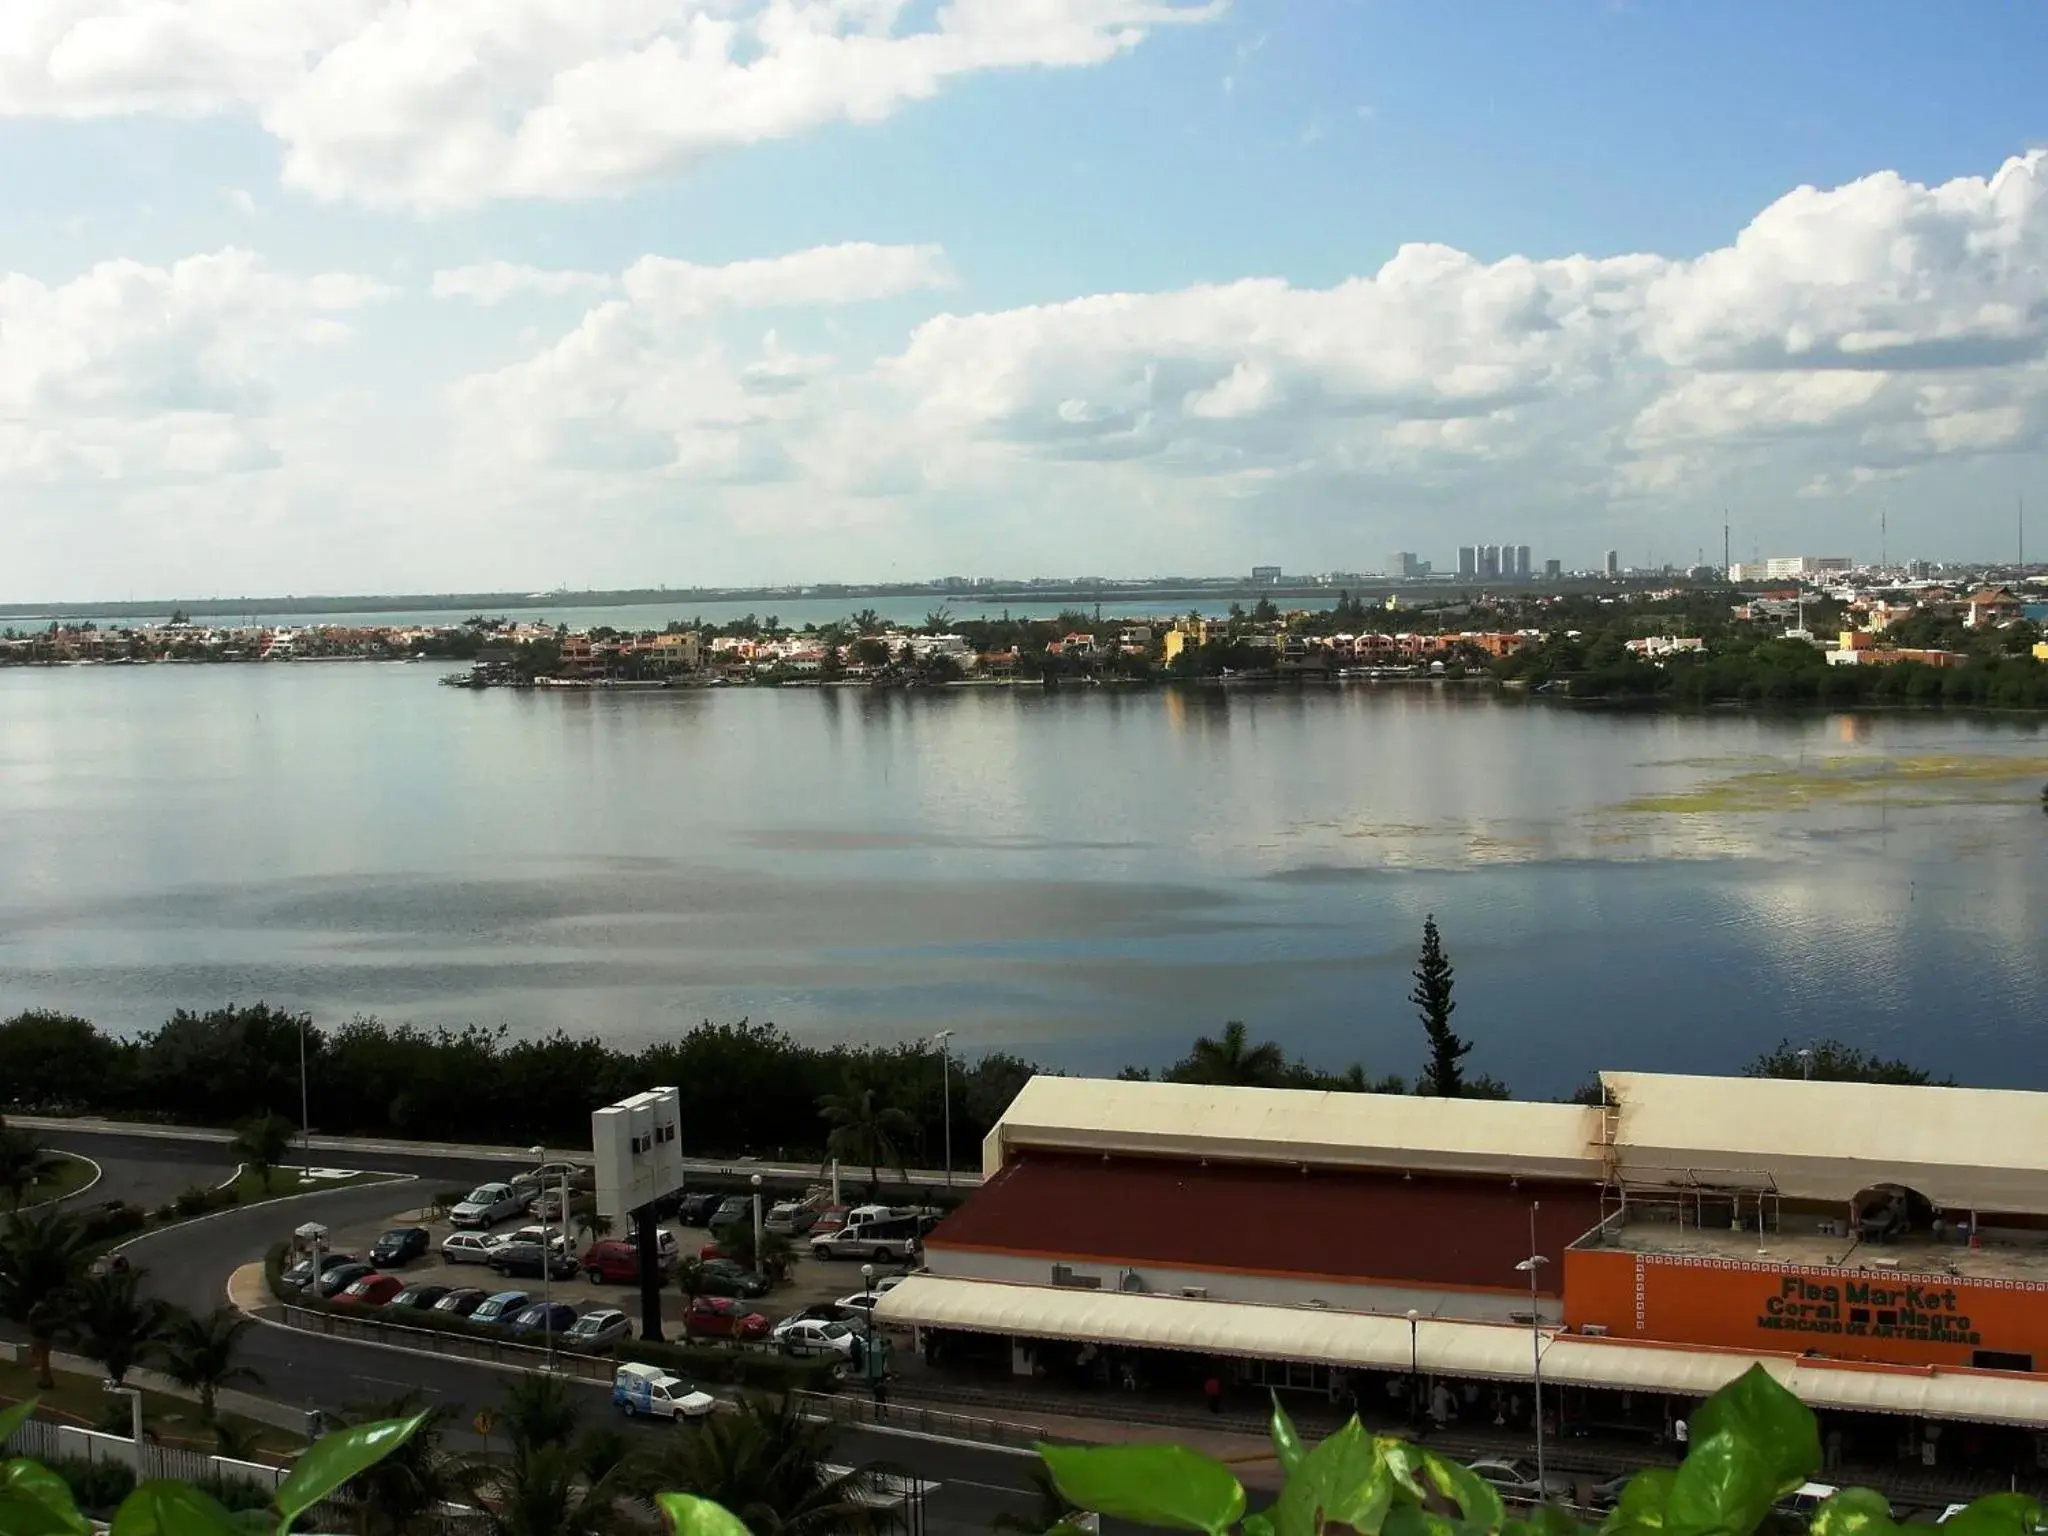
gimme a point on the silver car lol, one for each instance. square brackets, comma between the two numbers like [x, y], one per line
[598, 1329]
[489, 1204]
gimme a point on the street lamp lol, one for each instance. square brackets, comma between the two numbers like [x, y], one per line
[305, 1103]
[1530, 1266]
[134, 1396]
[1805, 1055]
[760, 1262]
[547, 1262]
[944, 1040]
[1414, 1367]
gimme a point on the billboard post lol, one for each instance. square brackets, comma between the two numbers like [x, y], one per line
[639, 1162]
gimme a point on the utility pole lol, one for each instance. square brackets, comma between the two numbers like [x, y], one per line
[1726, 565]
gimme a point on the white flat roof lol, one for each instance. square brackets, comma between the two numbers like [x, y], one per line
[1502, 1352]
[1284, 1125]
[1964, 1148]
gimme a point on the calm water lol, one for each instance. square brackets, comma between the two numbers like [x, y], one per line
[1089, 877]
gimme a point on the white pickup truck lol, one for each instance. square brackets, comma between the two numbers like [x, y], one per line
[648, 1389]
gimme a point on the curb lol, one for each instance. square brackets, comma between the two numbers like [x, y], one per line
[372, 1177]
[98, 1173]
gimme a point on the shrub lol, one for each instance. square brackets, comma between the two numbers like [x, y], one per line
[735, 1367]
[114, 1219]
[98, 1486]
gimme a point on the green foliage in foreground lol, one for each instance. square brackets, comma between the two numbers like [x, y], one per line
[1752, 1444]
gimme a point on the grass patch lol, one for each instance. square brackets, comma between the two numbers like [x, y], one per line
[73, 1174]
[84, 1401]
[250, 1190]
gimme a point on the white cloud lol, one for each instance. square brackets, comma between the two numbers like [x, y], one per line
[493, 282]
[831, 274]
[130, 370]
[458, 102]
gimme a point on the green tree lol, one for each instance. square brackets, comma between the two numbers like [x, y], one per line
[55, 1060]
[199, 1352]
[1444, 1076]
[864, 1129]
[43, 1256]
[539, 1410]
[767, 1463]
[114, 1323]
[1832, 1061]
[689, 1278]
[1231, 1060]
[400, 1494]
[262, 1144]
[25, 1162]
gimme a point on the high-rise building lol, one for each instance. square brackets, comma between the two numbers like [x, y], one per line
[1489, 562]
[1269, 574]
[1552, 569]
[1521, 562]
[1614, 562]
[1468, 562]
[1403, 564]
[1781, 566]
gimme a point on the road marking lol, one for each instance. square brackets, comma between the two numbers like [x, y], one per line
[403, 1386]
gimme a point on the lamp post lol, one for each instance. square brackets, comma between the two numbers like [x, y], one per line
[547, 1266]
[1530, 1266]
[760, 1263]
[1805, 1055]
[135, 1430]
[1414, 1367]
[305, 1103]
[944, 1040]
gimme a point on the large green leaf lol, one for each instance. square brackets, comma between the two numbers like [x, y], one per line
[1166, 1485]
[160, 1508]
[32, 1480]
[1853, 1512]
[1477, 1499]
[1544, 1520]
[1996, 1514]
[1779, 1429]
[1728, 1483]
[13, 1418]
[689, 1515]
[1643, 1500]
[334, 1459]
[1343, 1481]
[1286, 1439]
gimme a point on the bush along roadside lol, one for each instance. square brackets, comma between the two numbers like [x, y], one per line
[716, 1364]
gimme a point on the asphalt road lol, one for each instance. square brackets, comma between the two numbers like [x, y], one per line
[190, 1264]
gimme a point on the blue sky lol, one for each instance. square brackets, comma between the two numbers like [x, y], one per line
[878, 289]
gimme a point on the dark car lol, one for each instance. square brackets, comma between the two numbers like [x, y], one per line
[721, 1317]
[695, 1210]
[732, 1211]
[461, 1301]
[526, 1260]
[297, 1276]
[543, 1318]
[724, 1277]
[401, 1245]
[418, 1297]
[340, 1278]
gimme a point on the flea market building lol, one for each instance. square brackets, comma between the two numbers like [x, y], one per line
[1882, 1250]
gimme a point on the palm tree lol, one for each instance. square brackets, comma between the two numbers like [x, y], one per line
[689, 1278]
[864, 1130]
[539, 1410]
[766, 1462]
[43, 1255]
[400, 1494]
[262, 1144]
[114, 1323]
[737, 1243]
[25, 1162]
[199, 1352]
[1231, 1061]
[236, 1442]
[546, 1490]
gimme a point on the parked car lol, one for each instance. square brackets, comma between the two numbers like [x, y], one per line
[724, 1277]
[543, 1318]
[550, 1176]
[297, 1276]
[612, 1261]
[401, 1245]
[665, 1242]
[722, 1317]
[372, 1290]
[650, 1390]
[1604, 1496]
[732, 1211]
[1516, 1479]
[420, 1298]
[1802, 1501]
[695, 1210]
[462, 1301]
[863, 1302]
[830, 1220]
[489, 1204]
[830, 1312]
[538, 1233]
[792, 1218]
[340, 1278]
[528, 1260]
[808, 1336]
[887, 1239]
[500, 1309]
[600, 1328]
[468, 1247]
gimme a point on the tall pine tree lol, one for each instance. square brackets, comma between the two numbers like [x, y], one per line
[1443, 1076]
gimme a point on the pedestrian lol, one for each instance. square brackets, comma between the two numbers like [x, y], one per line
[1681, 1434]
[1212, 1390]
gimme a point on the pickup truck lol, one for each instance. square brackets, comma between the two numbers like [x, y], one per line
[891, 1239]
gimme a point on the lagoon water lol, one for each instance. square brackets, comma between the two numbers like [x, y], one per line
[1089, 877]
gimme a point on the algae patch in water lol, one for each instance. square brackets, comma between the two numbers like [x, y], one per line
[1902, 781]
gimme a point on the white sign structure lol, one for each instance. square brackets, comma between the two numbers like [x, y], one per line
[639, 1157]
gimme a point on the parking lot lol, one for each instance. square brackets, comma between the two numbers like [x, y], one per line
[810, 1281]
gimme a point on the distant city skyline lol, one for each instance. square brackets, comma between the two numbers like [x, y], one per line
[357, 297]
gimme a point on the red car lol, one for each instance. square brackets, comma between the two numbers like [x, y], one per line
[371, 1291]
[722, 1317]
[611, 1262]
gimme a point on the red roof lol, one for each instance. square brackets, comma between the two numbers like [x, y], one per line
[1357, 1225]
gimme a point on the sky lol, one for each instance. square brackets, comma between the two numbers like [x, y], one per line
[421, 295]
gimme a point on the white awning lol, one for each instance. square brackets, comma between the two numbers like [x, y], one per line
[1372, 1341]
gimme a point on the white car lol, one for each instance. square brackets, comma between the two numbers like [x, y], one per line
[864, 1301]
[810, 1336]
[648, 1389]
[469, 1247]
[537, 1235]
[489, 1204]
